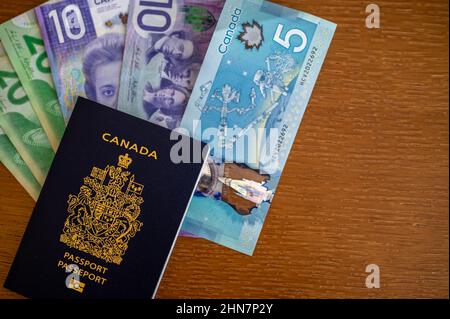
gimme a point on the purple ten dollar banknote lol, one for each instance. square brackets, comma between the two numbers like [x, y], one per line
[84, 40]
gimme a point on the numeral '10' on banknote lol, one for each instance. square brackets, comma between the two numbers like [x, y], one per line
[253, 89]
[85, 42]
[23, 43]
[165, 46]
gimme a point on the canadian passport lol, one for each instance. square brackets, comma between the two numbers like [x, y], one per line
[109, 212]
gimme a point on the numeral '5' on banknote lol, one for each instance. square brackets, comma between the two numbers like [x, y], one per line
[85, 42]
[165, 46]
[253, 88]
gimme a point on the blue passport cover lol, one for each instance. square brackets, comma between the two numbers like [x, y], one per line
[109, 212]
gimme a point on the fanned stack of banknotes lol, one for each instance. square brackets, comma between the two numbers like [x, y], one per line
[237, 74]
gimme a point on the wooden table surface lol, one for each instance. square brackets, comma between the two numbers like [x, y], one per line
[366, 181]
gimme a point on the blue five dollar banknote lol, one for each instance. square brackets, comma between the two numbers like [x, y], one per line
[84, 40]
[248, 102]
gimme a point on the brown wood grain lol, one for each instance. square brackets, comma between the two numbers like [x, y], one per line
[366, 181]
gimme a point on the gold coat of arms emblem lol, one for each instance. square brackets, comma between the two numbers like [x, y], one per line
[103, 217]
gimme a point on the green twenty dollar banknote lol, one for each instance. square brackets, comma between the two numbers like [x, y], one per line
[20, 122]
[84, 42]
[15, 164]
[25, 48]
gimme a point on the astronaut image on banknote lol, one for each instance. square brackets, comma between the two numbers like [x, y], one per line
[101, 67]
[236, 184]
[167, 93]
